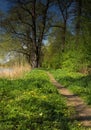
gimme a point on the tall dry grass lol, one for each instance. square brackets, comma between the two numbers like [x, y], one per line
[14, 72]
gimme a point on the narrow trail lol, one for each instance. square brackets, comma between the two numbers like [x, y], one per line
[83, 112]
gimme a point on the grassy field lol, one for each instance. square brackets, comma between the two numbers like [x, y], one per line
[78, 83]
[33, 103]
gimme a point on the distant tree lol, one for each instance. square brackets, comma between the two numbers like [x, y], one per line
[64, 6]
[78, 21]
[53, 50]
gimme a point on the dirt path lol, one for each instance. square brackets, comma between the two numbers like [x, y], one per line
[83, 112]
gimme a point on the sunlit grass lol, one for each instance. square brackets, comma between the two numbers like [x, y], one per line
[79, 84]
[33, 103]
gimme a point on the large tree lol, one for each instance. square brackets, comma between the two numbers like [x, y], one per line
[28, 21]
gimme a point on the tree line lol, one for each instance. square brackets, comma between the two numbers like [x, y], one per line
[64, 24]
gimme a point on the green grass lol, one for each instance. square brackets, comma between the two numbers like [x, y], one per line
[78, 83]
[33, 103]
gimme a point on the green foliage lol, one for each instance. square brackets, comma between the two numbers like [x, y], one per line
[32, 103]
[76, 57]
[53, 51]
[78, 83]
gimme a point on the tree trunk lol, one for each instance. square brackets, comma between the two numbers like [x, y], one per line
[63, 36]
[37, 57]
[78, 22]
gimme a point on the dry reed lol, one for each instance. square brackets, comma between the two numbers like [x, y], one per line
[14, 72]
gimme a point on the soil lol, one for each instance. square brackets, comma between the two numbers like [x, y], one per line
[82, 110]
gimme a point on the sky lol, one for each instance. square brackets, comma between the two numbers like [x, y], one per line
[4, 5]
